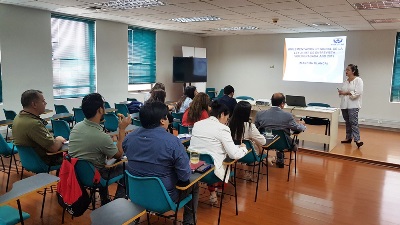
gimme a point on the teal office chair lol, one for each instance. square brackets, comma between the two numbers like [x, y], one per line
[111, 122]
[10, 216]
[60, 128]
[182, 129]
[7, 150]
[136, 122]
[10, 115]
[245, 98]
[85, 173]
[31, 161]
[122, 108]
[220, 94]
[63, 109]
[150, 193]
[177, 119]
[78, 115]
[210, 92]
[107, 105]
[212, 179]
[254, 159]
[283, 145]
[318, 121]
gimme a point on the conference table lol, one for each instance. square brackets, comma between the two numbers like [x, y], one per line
[313, 111]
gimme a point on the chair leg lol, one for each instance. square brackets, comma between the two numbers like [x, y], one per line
[15, 162]
[21, 219]
[63, 215]
[148, 218]
[234, 185]
[295, 162]
[9, 172]
[290, 163]
[22, 173]
[258, 176]
[44, 198]
[2, 163]
[7, 134]
[222, 196]
[267, 172]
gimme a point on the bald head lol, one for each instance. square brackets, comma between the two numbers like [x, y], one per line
[277, 99]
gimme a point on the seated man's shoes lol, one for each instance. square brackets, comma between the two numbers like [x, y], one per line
[346, 141]
[359, 144]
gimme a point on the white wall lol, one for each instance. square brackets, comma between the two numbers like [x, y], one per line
[245, 62]
[25, 37]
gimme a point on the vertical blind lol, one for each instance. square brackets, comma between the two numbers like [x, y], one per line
[395, 92]
[141, 56]
[74, 69]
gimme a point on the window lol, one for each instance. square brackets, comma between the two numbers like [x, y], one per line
[74, 69]
[141, 58]
[395, 92]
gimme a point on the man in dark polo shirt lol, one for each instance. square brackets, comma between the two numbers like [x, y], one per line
[30, 130]
[228, 99]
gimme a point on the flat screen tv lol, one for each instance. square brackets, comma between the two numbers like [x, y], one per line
[189, 70]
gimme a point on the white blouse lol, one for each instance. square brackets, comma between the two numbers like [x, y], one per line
[355, 87]
[209, 136]
[252, 133]
[185, 105]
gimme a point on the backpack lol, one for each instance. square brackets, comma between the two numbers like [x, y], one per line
[79, 206]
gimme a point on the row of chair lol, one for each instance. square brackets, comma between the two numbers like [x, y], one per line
[211, 92]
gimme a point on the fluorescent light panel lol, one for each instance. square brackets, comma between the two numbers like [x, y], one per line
[237, 28]
[130, 4]
[195, 19]
[378, 5]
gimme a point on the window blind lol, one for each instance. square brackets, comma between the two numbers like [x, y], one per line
[395, 92]
[74, 69]
[141, 56]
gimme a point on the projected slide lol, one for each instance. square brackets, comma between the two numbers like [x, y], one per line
[317, 59]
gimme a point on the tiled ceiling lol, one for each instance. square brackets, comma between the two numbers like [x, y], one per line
[293, 16]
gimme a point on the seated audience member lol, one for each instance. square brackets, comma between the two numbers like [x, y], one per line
[277, 119]
[186, 99]
[159, 95]
[156, 86]
[197, 111]
[30, 130]
[243, 129]
[89, 142]
[153, 152]
[228, 99]
[211, 136]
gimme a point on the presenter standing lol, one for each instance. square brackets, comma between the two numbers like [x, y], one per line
[351, 100]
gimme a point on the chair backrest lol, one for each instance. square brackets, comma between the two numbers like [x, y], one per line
[209, 178]
[60, 109]
[182, 129]
[84, 171]
[245, 98]
[107, 105]
[60, 128]
[136, 122]
[177, 116]
[282, 143]
[122, 108]
[9, 114]
[221, 93]
[111, 122]
[210, 92]
[319, 104]
[31, 161]
[5, 149]
[149, 192]
[250, 157]
[78, 115]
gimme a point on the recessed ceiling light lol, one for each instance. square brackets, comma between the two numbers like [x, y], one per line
[195, 19]
[321, 24]
[130, 4]
[384, 21]
[237, 28]
[378, 5]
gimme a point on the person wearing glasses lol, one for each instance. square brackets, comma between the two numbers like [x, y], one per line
[350, 103]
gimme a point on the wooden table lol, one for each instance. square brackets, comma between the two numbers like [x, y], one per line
[59, 116]
[117, 212]
[110, 110]
[6, 122]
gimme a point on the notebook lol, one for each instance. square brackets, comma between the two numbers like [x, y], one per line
[197, 165]
[292, 100]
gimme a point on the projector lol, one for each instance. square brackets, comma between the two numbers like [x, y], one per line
[262, 102]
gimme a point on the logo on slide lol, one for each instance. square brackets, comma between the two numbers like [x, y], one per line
[338, 40]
